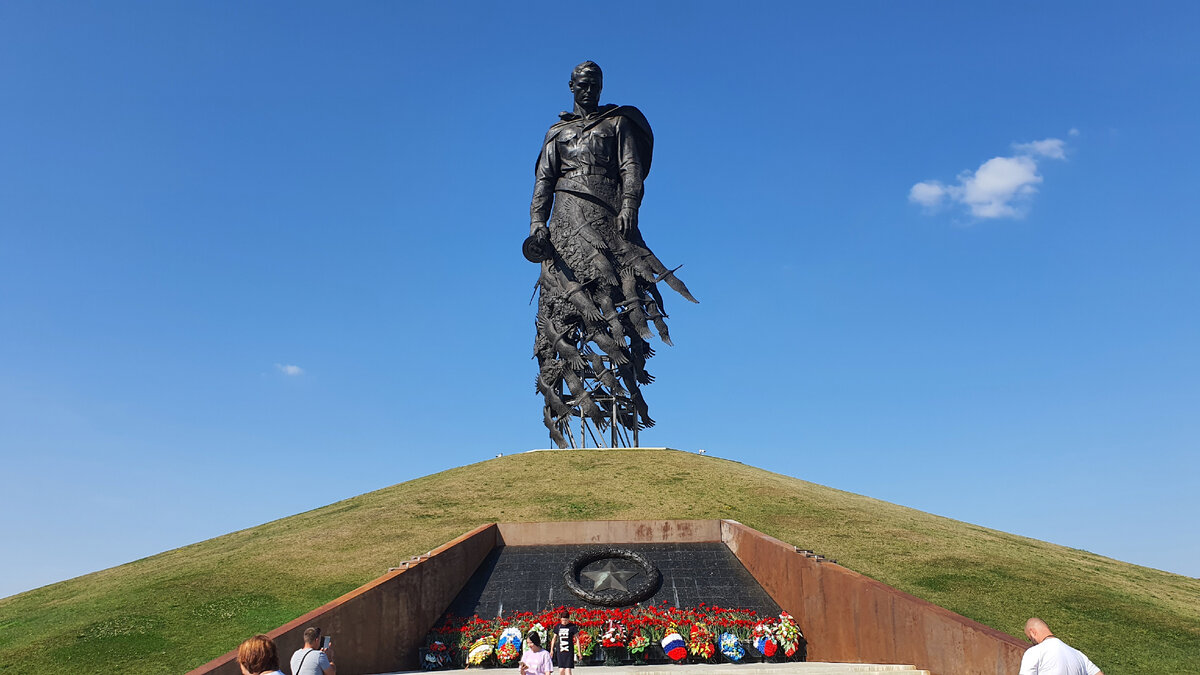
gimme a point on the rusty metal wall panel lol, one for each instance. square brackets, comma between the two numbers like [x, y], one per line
[610, 532]
[380, 626]
[851, 618]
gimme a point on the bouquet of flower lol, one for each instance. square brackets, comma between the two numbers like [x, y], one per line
[673, 645]
[764, 638]
[731, 647]
[585, 644]
[638, 642]
[436, 656]
[510, 636]
[542, 633]
[481, 649]
[635, 628]
[788, 634]
[700, 642]
[506, 654]
[614, 634]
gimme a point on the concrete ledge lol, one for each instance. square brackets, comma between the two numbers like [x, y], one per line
[571, 449]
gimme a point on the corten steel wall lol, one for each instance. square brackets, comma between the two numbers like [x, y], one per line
[609, 532]
[379, 627]
[852, 618]
[846, 616]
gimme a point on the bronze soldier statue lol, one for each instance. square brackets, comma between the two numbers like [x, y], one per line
[598, 284]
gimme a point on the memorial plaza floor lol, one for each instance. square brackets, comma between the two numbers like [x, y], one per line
[792, 668]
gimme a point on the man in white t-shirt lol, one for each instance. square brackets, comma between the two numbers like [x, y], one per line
[312, 660]
[1051, 656]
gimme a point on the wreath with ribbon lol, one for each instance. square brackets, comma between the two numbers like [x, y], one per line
[645, 587]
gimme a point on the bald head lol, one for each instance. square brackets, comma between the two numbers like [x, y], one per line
[1037, 630]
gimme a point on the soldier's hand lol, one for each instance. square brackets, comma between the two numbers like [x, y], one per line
[540, 231]
[627, 220]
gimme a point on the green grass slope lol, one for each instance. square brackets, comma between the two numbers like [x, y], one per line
[174, 611]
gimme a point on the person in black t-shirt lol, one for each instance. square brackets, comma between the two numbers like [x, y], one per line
[564, 643]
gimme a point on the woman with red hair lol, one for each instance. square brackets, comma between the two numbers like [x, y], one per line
[257, 656]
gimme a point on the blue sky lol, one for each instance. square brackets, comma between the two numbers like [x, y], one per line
[946, 255]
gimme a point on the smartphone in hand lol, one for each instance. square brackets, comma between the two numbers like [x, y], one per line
[325, 642]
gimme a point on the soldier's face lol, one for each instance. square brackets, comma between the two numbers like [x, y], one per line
[586, 87]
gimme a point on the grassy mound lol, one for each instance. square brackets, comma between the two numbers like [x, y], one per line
[174, 611]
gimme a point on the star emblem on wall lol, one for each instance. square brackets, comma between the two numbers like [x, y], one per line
[608, 582]
[609, 577]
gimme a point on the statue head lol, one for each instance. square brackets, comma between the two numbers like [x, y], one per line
[586, 82]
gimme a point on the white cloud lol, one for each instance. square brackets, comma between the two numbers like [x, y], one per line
[1050, 147]
[1073, 132]
[289, 370]
[928, 193]
[995, 188]
[1000, 188]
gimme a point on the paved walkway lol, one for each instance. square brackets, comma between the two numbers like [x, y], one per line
[791, 668]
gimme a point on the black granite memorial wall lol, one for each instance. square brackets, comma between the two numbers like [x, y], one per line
[530, 579]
